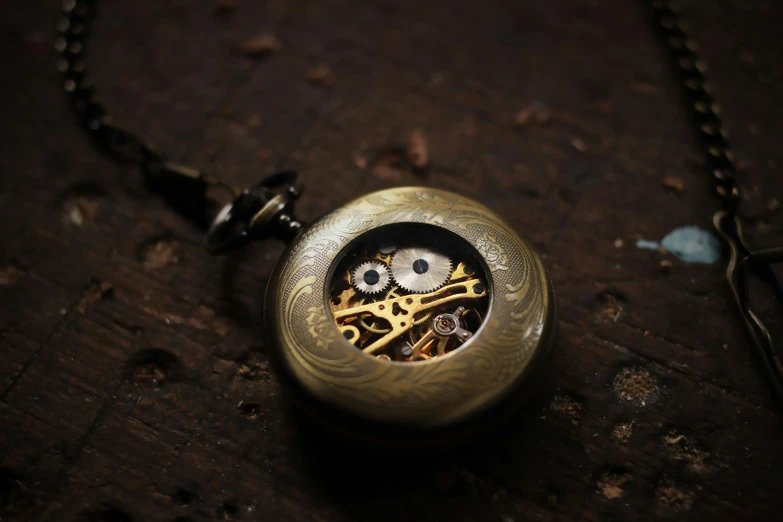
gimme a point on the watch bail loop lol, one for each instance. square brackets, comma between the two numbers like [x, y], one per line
[263, 211]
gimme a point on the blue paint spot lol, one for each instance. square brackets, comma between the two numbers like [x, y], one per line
[647, 245]
[692, 245]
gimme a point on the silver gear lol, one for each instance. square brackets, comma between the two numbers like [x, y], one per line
[370, 277]
[420, 270]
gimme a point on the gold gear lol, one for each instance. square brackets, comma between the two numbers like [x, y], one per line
[371, 327]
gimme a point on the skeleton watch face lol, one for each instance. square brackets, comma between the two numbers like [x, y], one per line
[409, 292]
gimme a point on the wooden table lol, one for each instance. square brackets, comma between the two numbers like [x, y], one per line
[135, 383]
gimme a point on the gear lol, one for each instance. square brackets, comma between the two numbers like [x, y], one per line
[419, 270]
[370, 277]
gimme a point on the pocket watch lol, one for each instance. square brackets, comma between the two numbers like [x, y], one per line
[407, 314]
[412, 307]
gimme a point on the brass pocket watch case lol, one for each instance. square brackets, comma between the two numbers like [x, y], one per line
[407, 313]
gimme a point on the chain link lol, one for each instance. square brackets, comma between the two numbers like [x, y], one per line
[742, 260]
[692, 68]
[256, 213]
[73, 30]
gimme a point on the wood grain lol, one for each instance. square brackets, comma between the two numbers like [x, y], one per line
[135, 385]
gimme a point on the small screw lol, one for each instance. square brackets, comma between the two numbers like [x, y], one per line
[478, 288]
[468, 270]
[348, 334]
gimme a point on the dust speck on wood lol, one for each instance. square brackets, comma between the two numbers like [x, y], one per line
[360, 161]
[579, 144]
[322, 75]
[611, 484]
[610, 306]
[254, 371]
[682, 447]
[250, 410]
[565, 404]
[673, 183]
[9, 275]
[78, 210]
[636, 385]
[622, 432]
[149, 376]
[536, 113]
[417, 151]
[254, 121]
[161, 253]
[97, 291]
[261, 46]
[673, 495]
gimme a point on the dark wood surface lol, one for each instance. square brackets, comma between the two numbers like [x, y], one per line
[135, 385]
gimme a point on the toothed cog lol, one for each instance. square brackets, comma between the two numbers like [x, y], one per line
[420, 270]
[371, 277]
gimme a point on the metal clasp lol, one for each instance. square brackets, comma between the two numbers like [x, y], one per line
[258, 213]
[742, 262]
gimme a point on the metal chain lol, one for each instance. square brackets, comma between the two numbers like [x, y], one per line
[121, 144]
[256, 213]
[706, 112]
[743, 260]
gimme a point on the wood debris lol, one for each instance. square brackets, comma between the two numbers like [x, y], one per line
[636, 385]
[97, 291]
[566, 404]
[681, 447]
[160, 254]
[254, 371]
[622, 432]
[611, 484]
[672, 495]
[322, 76]
[417, 150]
[610, 306]
[80, 209]
[536, 112]
[261, 46]
[673, 183]
[9, 275]
[149, 376]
